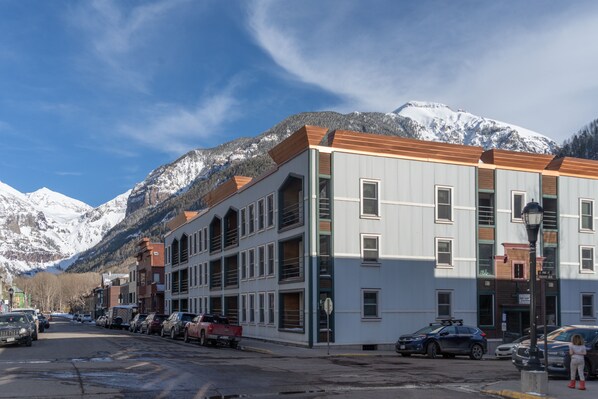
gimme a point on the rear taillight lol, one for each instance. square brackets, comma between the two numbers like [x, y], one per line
[483, 335]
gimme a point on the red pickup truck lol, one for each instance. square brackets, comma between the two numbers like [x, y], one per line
[213, 329]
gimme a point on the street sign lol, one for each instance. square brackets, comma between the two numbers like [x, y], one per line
[545, 274]
[328, 306]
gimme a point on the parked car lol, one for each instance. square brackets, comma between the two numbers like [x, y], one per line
[504, 351]
[447, 338]
[44, 320]
[15, 329]
[540, 330]
[86, 318]
[558, 350]
[152, 323]
[33, 316]
[136, 322]
[210, 328]
[174, 326]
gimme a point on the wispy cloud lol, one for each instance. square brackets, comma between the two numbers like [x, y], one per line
[535, 70]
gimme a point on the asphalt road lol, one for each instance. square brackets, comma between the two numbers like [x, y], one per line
[73, 360]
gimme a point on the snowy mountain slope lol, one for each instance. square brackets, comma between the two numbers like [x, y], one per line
[44, 227]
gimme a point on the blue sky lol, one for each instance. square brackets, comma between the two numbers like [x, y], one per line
[96, 94]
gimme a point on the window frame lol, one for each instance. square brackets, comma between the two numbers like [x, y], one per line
[581, 215]
[523, 194]
[437, 205]
[251, 219]
[243, 264]
[271, 259]
[581, 259]
[261, 308]
[261, 261]
[261, 214]
[271, 308]
[270, 211]
[243, 222]
[439, 265]
[251, 263]
[362, 199]
[592, 315]
[514, 266]
[243, 308]
[365, 236]
[375, 291]
[251, 308]
[438, 304]
[492, 307]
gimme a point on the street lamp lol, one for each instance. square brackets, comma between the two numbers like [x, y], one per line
[11, 292]
[532, 216]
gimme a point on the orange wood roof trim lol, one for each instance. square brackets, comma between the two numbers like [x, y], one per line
[401, 146]
[180, 219]
[225, 189]
[515, 159]
[575, 167]
[297, 142]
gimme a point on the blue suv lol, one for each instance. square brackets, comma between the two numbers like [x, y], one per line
[447, 338]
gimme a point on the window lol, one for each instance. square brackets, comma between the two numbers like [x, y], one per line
[587, 259]
[261, 308]
[200, 249]
[587, 306]
[270, 210]
[369, 198]
[444, 252]
[486, 259]
[205, 239]
[586, 214]
[486, 306]
[243, 222]
[251, 308]
[270, 308]
[444, 304]
[369, 248]
[205, 273]
[370, 304]
[201, 274]
[251, 263]
[243, 308]
[270, 252]
[261, 261]
[243, 265]
[518, 270]
[261, 214]
[517, 205]
[444, 204]
[251, 218]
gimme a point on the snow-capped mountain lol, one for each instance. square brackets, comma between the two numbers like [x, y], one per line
[438, 122]
[42, 228]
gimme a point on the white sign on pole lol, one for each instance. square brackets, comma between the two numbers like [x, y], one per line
[328, 306]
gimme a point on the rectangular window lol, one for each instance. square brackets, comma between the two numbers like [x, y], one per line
[270, 210]
[369, 248]
[587, 306]
[200, 248]
[270, 253]
[205, 274]
[205, 239]
[486, 306]
[201, 274]
[587, 259]
[444, 204]
[243, 222]
[486, 259]
[251, 273]
[370, 201]
[370, 307]
[262, 308]
[261, 214]
[243, 308]
[251, 218]
[261, 261]
[444, 252]
[243, 265]
[251, 308]
[518, 271]
[586, 214]
[444, 304]
[517, 205]
[270, 308]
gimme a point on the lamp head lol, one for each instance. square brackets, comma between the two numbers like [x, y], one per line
[532, 214]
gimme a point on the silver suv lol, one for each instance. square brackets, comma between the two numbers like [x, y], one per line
[174, 326]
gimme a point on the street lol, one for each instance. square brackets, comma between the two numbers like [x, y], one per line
[74, 360]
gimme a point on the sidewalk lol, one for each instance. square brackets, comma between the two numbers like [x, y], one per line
[557, 389]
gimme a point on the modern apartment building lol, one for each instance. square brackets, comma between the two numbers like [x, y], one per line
[397, 232]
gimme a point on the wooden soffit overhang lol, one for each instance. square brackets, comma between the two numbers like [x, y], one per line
[517, 160]
[180, 220]
[226, 189]
[577, 167]
[405, 147]
[297, 142]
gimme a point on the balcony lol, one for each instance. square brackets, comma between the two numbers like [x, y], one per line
[231, 238]
[291, 215]
[324, 208]
[550, 221]
[291, 269]
[486, 215]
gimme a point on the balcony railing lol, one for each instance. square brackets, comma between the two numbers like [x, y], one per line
[231, 237]
[486, 215]
[231, 277]
[216, 280]
[292, 319]
[550, 220]
[292, 214]
[216, 243]
[292, 268]
[324, 205]
[486, 267]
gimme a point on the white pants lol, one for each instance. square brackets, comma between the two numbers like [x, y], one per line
[577, 366]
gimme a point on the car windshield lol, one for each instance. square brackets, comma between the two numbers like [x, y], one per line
[11, 319]
[565, 334]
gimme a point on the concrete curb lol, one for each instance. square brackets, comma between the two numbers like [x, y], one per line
[506, 393]
[257, 350]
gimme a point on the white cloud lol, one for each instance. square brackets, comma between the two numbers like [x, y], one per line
[537, 72]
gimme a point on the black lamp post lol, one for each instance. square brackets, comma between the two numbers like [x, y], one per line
[532, 216]
[11, 292]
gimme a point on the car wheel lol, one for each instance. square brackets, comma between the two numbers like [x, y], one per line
[35, 336]
[186, 338]
[29, 341]
[477, 352]
[172, 334]
[432, 350]
[162, 332]
[234, 344]
[405, 354]
[202, 339]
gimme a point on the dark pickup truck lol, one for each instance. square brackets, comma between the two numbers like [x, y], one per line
[213, 329]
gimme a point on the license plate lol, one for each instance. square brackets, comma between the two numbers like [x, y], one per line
[402, 347]
[10, 339]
